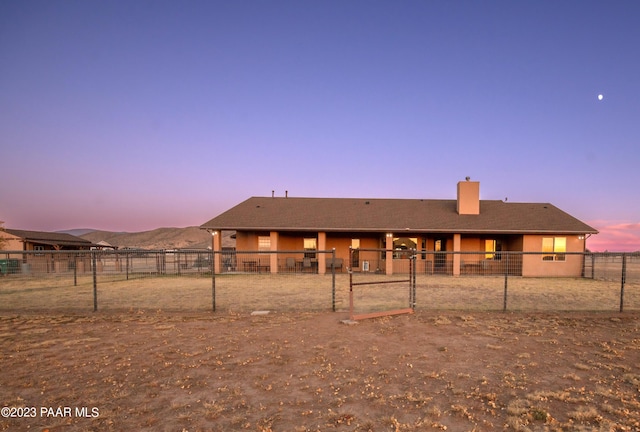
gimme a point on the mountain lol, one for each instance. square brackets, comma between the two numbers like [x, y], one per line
[161, 238]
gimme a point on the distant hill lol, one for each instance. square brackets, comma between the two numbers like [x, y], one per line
[161, 238]
[78, 232]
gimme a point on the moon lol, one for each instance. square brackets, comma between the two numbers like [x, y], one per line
[600, 97]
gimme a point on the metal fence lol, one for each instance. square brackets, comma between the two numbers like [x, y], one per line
[310, 280]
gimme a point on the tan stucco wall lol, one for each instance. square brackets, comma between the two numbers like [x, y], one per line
[11, 242]
[246, 241]
[535, 266]
[471, 244]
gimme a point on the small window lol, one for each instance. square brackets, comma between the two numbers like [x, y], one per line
[38, 248]
[554, 248]
[264, 243]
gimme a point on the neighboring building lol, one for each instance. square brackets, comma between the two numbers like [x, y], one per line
[39, 240]
[104, 245]
[432, 227]
[34, 241]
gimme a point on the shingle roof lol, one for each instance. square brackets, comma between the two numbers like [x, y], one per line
[393, 215]
[49, 238]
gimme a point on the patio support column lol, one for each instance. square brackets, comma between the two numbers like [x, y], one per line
[456, 256]
[389, 254]
[273, 257]
[216, 246]
[420, 255]
[322, 258]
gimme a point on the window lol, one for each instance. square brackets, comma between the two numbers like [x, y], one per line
[310, 247]
[38, 248]
[554, 248]
[264, 243]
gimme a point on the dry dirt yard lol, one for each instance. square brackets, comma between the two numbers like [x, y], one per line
[456, 371]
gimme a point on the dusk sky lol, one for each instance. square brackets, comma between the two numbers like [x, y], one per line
[135, 115]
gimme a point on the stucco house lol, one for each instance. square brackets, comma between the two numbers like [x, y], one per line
[434, 227]
[40, 240]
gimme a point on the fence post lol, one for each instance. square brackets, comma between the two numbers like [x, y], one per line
[413, 280]
[350, 283]
[213, 279]
[506, 277]
[623, 278]
[75, 269]
[95, 280]
[333, 279]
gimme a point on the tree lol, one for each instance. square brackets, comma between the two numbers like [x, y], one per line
[3, 239]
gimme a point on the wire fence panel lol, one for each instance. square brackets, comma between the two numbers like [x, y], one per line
[274, 292]
[45, 293]
[442, 292]
[633, 269]
[126, 279]
[307, 280]
[632, 282]
[276, 281]
[562, 294]
[604, 266]
[155, 293]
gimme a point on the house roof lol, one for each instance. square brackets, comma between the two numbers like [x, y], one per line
[394, 215]
[49, 238]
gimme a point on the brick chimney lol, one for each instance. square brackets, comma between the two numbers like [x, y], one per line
[468, 197]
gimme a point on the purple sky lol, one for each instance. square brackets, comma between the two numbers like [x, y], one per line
[134, 115]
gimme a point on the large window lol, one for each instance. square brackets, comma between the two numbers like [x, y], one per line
[554, 248]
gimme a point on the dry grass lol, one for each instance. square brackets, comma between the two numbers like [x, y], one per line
[305, 292]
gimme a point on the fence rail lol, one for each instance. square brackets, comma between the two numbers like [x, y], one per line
[306, 280]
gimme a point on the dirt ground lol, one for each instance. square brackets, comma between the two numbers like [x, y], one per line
[456, 371]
